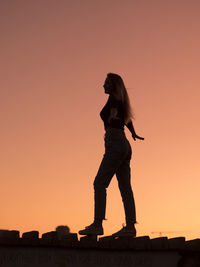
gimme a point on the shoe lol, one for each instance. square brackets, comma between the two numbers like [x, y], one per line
[92, 229]
[125, 232]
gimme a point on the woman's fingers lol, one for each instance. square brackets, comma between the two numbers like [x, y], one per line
[139, 137]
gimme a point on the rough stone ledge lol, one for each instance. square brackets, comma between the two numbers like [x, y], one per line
[142, 242]
[193, 244]
[70, 240]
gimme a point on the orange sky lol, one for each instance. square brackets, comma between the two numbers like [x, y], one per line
[55, 55]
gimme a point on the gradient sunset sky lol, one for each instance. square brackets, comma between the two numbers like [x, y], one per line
[55, 55]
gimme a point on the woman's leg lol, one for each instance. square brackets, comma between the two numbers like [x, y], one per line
[123, 174]
[110, 163]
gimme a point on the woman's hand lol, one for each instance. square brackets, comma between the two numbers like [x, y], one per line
[135, 136]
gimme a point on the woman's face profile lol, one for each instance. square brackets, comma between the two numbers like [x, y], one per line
[108, 86]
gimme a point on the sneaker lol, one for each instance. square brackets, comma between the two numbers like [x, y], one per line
[92, 229]
[125, 232]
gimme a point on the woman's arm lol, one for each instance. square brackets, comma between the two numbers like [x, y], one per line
[129, 125]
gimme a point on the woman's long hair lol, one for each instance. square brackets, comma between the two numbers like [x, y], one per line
[120, 93]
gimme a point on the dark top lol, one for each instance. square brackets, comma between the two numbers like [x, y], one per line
[115, 122]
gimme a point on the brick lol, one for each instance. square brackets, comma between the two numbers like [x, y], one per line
[176, 243]
[159, 243]
[106, 241]
[11, 234]
[69, 240]
[30, 238]
[9, 237]
[88, 241]
[62, 230]
[3, 233]
[121, 242]
[193, 244]
[50, 235]
[71, 236]
[140, 243]
[49, 238]
[31, 235]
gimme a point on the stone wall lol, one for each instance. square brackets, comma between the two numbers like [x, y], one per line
[67, 250]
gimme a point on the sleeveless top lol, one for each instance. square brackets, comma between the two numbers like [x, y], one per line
[115, 122]
[105, 114]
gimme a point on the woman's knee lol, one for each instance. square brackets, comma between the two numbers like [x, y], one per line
[98, 186]
[125, 188]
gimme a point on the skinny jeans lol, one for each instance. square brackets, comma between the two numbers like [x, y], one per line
[116, 160]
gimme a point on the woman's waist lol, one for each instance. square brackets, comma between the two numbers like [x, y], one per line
[114, 132]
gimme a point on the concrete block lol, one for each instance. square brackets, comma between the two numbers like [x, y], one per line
[50, 235]
[159, 243]
[105, 242]
[10, 234]
[176, 243]
[9, 237]
[31, 235]
[88, 242]
[52, 238]
[49, 238]
[71, 236]
[69, 240]
[140, 243]
[30, 238]
[62, 230]
[193, 244]
[3, 233]
[121, 242]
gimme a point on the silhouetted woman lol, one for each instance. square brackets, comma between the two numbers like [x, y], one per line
[116, 160]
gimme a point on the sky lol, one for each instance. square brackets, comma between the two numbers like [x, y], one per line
[55, 55]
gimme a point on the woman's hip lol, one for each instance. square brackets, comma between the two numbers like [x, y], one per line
[116, 141]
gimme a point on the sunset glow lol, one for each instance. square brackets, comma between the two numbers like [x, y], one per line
[55, 56]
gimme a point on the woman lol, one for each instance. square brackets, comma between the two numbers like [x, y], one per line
[116, 160]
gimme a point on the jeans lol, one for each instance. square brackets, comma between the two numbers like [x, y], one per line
[116, 160]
